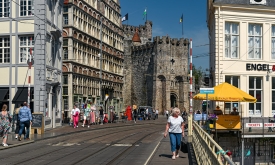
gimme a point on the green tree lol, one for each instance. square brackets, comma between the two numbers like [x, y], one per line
[197, 73]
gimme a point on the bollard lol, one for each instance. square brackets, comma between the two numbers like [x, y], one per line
[250, 129]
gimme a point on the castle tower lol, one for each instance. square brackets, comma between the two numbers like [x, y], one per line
[155, 73]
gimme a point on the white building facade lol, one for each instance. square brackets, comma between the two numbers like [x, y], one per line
[28, 31]
[242, 51]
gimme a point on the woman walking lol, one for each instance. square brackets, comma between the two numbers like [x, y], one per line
[5, 124]
[175, 127]
[75, 114]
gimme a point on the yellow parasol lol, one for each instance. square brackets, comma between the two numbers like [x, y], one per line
[226, 92]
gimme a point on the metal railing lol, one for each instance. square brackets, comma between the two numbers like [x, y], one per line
[207, 151]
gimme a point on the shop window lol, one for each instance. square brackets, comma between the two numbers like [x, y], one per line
[255, 90]
[231, 40]
[255, 41]
[228, 106]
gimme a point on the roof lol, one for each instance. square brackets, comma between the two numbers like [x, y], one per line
[136, 37]
[270, 3]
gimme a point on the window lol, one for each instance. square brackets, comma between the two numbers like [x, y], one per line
[233, 80]
[255, 90]
[65, 53]
[65, 103]
[4, 50]
[65, 9]
[26, 7]
[65, 19]
[65, 90]
[255, 41]
[273, 43]
[65, 79]
[65, 49]
[231, 40]
[273, 95]
[26, 42]
[4, 8]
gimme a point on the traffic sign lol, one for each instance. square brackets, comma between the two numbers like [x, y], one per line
[206, 90]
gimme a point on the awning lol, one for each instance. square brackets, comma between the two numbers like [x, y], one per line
[21, 95]
[3, 93]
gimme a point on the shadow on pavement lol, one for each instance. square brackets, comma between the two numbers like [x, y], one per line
[191, 155]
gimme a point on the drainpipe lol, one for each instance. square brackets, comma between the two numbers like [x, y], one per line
[219, 10]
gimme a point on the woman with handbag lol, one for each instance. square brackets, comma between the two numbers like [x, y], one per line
[175, 126]
[5, 124]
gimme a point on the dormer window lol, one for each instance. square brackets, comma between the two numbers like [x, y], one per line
[258, 2]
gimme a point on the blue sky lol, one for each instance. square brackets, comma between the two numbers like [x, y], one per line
[165, 15]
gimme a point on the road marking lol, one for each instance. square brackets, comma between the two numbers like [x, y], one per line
[123, 145]
[152, 154]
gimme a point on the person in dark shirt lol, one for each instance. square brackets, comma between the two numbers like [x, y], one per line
[101, 115]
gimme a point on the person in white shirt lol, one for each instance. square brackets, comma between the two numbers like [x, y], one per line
[167, 113]
[146, 113]
[157, 113]
[75, 114]
[175, 126]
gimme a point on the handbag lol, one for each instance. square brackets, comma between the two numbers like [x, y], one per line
[184, 147]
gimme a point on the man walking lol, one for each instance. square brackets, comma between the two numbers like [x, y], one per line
[101, 115]
[25, 118]
[157, 113]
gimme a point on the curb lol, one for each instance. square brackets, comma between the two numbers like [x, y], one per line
[16, 145]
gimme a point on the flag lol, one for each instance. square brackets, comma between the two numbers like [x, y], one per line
[144, 13]
[125, 18]
[181, 18]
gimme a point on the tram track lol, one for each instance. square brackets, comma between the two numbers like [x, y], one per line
[45, 153]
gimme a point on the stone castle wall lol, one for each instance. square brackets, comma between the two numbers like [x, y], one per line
[155, 70]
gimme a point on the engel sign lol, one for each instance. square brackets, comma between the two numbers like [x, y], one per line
[260, 124]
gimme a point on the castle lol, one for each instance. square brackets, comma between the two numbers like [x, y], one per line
[155, 72]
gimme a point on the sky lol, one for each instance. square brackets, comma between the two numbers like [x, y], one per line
[165, 15]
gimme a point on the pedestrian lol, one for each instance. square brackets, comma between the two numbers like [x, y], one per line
[75, 113]
[93, 115]
[135, 115]
[86, 115]
[101, 115]
[25, 117]
[146, 113]
[157, 113]
[17, 120]
[175, 127]
[167, 113]
[5, 124]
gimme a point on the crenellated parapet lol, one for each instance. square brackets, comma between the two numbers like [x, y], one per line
[144, 31]
[173, 41]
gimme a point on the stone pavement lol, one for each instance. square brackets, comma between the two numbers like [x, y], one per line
[161, 155]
